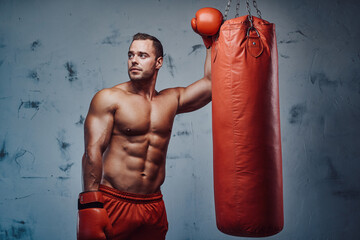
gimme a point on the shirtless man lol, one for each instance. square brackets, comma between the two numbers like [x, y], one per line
[127, 132]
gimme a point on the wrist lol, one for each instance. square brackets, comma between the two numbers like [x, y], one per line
[207, 41]
[90, 199]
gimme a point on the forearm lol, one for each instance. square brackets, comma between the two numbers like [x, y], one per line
[207, 66]
[92, 171]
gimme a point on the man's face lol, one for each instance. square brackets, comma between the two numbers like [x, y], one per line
[142, 62]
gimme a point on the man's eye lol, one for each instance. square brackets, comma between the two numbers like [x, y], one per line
[130, 55]
[142, 55]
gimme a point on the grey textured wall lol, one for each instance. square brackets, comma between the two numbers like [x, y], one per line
[54, 55]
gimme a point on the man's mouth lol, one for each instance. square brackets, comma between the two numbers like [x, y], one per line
[135, 69]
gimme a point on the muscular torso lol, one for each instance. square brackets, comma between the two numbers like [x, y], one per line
[134, 160]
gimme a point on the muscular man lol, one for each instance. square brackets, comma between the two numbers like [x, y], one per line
[127, 132]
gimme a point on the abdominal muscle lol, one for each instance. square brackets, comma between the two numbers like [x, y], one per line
[135, 164]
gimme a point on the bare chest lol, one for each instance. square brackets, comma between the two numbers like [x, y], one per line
[138, 116]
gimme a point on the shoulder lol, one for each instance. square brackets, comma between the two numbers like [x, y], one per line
[172, 92]
[106, 99]
[104, 95]
[112, 93]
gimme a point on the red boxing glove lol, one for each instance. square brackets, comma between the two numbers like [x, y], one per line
[93, 220]
[207, 23]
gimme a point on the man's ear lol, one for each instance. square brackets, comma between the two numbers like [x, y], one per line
[159, 62]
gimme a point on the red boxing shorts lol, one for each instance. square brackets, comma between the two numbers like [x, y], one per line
[135, 216]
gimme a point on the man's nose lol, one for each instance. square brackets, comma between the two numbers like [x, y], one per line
[134, 60]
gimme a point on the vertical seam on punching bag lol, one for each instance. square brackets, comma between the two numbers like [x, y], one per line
[233, 55]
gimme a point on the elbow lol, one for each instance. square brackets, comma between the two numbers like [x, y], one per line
[207, 76]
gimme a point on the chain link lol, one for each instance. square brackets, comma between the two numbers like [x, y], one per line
[250, 17]
[249, 13]
[227, 10]
[237, 8]
[257, 9]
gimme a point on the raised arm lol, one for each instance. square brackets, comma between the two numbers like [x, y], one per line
[206, 23]
[197, 94]
[97, 132]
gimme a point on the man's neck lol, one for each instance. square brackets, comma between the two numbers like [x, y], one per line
[144, 87]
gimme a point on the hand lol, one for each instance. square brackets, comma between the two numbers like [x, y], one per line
[207, 23]
[93, 220]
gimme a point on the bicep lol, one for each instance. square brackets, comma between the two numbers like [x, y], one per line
[98, 126]
[97, 131]
[194, 96]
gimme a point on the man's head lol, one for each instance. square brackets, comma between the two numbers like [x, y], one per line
[156, 43]
[145, 56]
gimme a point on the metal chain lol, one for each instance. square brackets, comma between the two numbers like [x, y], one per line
[249, 13]
[250, 17]
[237, 8]
[257, 9]
[227, 10]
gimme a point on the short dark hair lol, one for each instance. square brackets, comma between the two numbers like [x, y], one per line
[156, 43]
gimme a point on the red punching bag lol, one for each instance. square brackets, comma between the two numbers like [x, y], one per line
[246, 128]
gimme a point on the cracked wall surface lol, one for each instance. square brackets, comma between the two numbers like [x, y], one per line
[55, 55]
